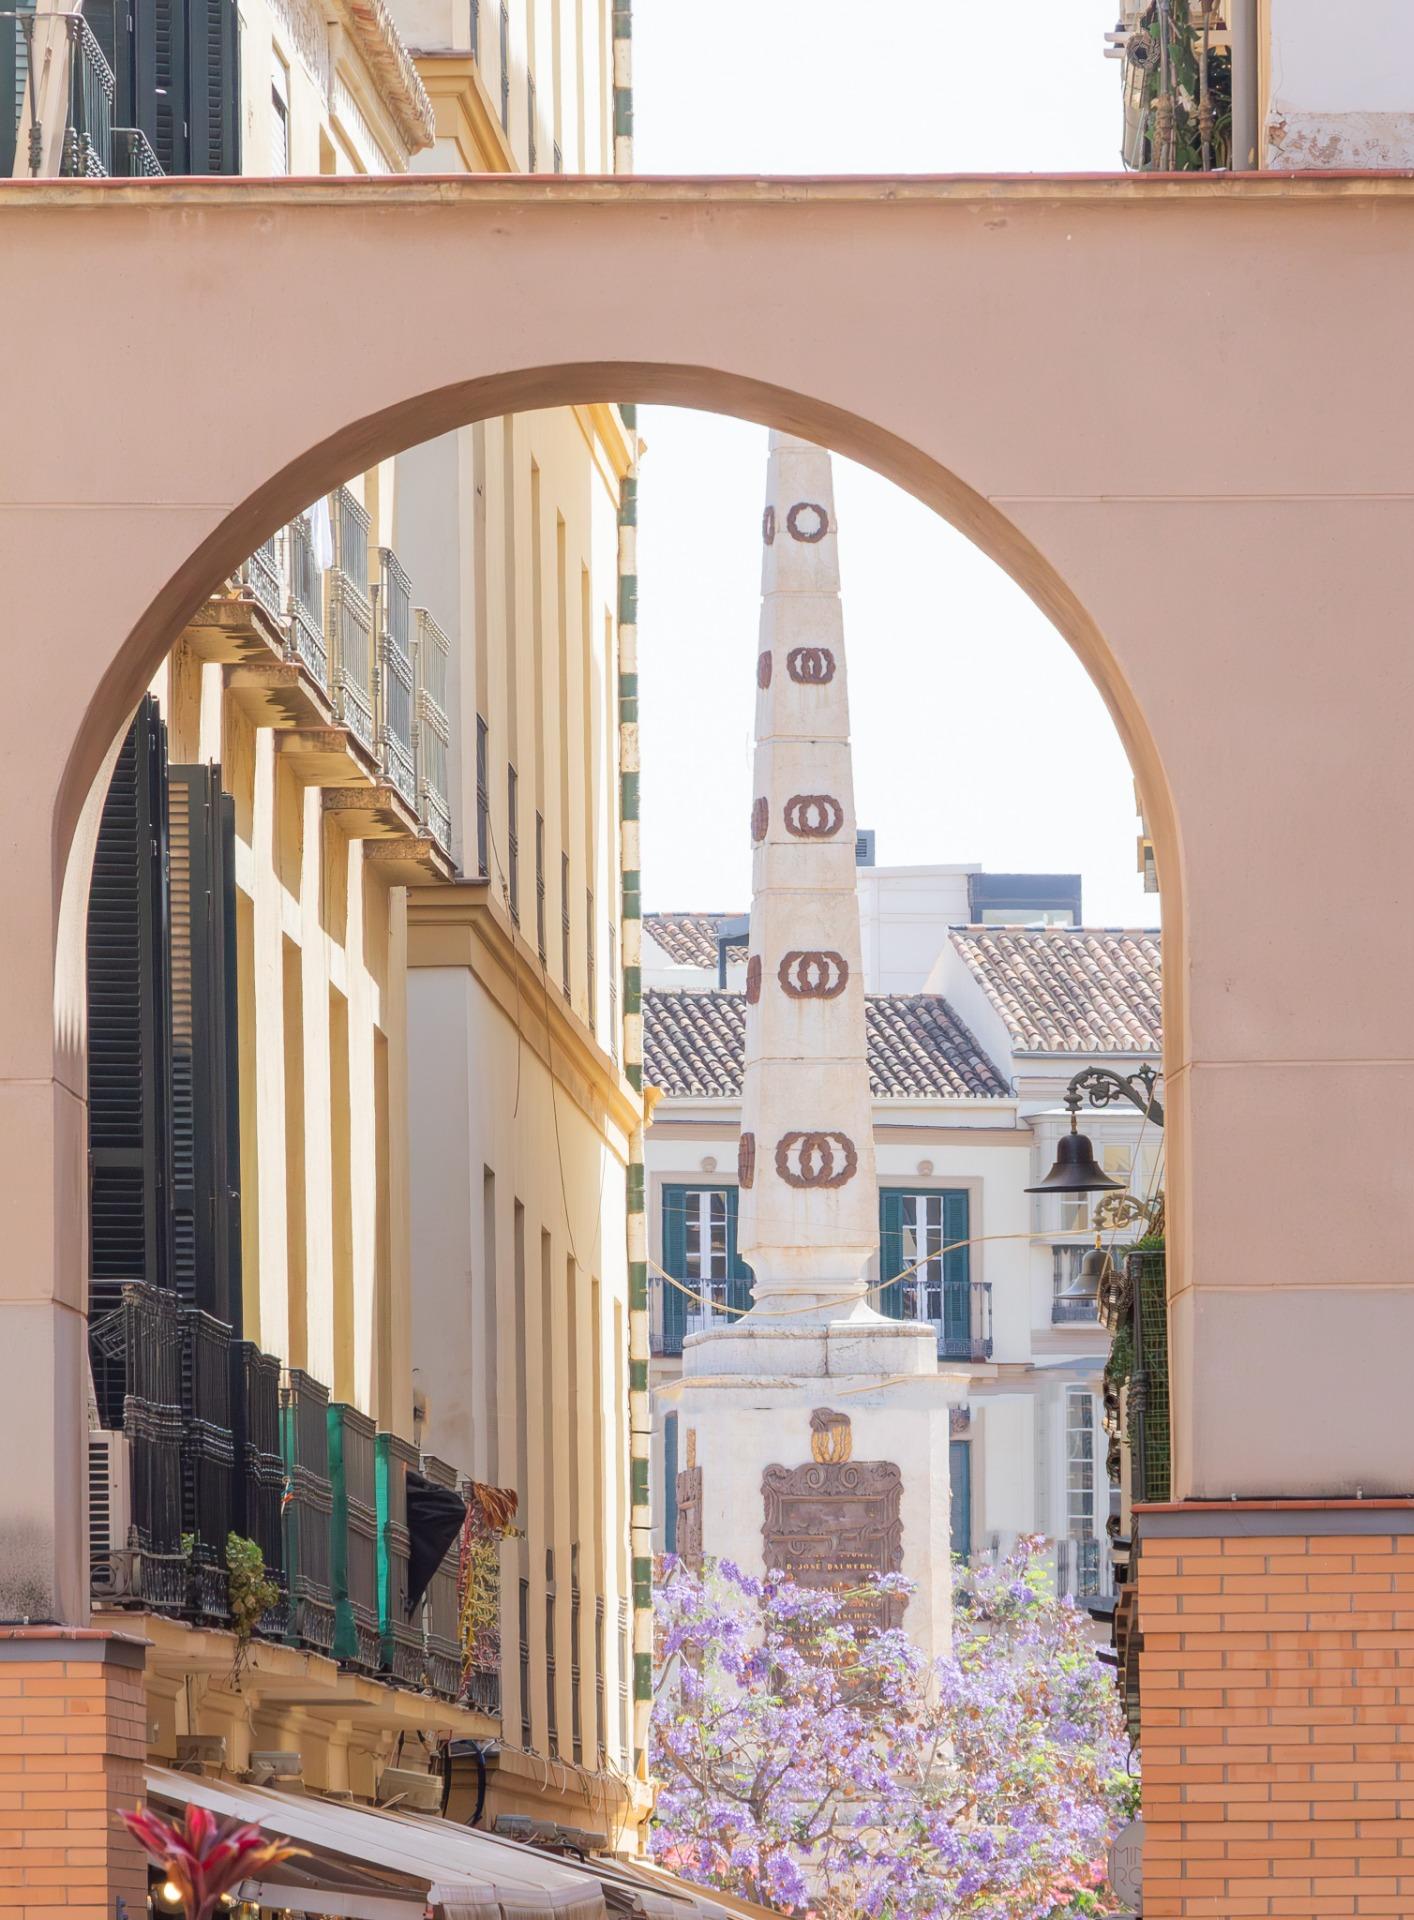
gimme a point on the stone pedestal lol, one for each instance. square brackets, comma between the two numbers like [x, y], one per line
[822, 1450]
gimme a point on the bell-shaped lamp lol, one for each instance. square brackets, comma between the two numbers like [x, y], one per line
[1094, 1270]
[1076, 1169]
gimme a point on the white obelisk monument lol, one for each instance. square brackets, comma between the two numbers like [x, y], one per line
[814, 1428]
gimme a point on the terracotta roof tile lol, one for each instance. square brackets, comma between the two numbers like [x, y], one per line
[694, 1042]
[690, 939]
[1070, 989]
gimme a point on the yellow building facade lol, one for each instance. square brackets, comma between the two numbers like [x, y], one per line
[367, 830]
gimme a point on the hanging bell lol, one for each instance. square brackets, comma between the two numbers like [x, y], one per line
[1076, 1169]
[1094, 1270]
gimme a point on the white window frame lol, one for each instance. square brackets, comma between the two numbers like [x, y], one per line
[706, 1253]
[923, 1240]
[280, 152]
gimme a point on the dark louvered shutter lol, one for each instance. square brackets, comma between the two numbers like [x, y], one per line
[205, 1110]
[675, 1263]
[739, 1284]
[127, 1021]
[214, 86]
[162, 60]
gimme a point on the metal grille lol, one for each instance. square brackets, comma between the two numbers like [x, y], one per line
[1148, 1406]
[576, 1710]
[565, 924]
[88, 136]
[401, 1636]
[513, 843]
[350, 619]
[305, 606]
[393, 684]
[259, 578]
[434, 730]
[441, 1610]
[540, 946]
[133, 155]
[523, 1604]
[601, 1725]
[591, 972]
[352, 1471]
[483, 800]
[307, 1503]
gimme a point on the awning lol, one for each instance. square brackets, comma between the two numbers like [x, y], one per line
[707, 1899]
[633, 1887]
[369, 1864]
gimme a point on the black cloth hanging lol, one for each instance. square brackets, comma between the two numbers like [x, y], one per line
[435, 1517]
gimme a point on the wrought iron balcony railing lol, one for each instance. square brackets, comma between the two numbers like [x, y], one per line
[304, 605]
[965, 1327]
[352, 1473]
[349, 619]
[400, 1632]
[431, 657]
[393, 679]
[61, 91]
[1068, 1313]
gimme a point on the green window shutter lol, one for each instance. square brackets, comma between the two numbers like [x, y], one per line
[960, 1496]
[205, 1109]
[739, 1286]
[162, 65]
[127, 969]
[890, 1301]
[675, 1263]
[957, 1270]
[670, 1483]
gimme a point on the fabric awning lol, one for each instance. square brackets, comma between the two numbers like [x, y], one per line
[708, 1900]
[376, 1861]
[632, 1887]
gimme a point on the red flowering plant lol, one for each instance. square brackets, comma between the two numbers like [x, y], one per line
[204, 1858]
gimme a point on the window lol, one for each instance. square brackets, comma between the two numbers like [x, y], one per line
[565, 924]
[1065, 1269]
[923, 1236]
[513, 844]
[613, 992]
[505, 67]
[1080, 1486]
[530, 154]
[280, 111]
[591, 978]
[483, 801]
[699, 1248]
[540, 887]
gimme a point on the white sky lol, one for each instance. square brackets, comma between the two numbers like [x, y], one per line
[977, 734]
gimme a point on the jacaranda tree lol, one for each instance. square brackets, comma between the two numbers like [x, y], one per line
[816, 1765]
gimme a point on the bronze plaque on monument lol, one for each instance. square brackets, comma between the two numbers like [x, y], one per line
[836, 1521]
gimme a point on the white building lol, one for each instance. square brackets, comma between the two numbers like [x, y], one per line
[970, 1054]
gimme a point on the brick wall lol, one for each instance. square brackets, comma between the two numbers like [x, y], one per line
[73, 1737]
[1277, 1706]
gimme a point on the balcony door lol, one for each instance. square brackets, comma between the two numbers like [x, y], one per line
[922, 1237]
[700, 1250]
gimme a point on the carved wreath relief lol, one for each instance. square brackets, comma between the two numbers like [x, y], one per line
[746, 1160]
[763, 670]
[813, 816]
[807, 520]
[816, 1159]
[753, 979]
[816, 975]
[811, 666]
[836, 1521]
[768, 525]
[760, 820]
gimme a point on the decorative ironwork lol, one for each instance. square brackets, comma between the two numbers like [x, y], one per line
[811, 666]
[816, 1159]
[831, 1437]
[1116, 1210]
[763, 670]
[760, 819]
[814, 975]
[768, 526]
[1102, 1086]
[798, 530]
[746, 1160]
[813, 816]
[753, 980]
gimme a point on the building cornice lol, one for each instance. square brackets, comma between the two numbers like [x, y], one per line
[371, 28]
[560, 190]
[463, 110]
[465, 926]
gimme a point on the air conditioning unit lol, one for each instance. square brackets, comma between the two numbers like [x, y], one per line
[403, 1786]
[112, 1562]
[864, 847]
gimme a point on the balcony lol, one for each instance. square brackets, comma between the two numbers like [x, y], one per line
[431, 659]
[965, 1328]
[1074, 1313]
[393, 677]
[349, 619]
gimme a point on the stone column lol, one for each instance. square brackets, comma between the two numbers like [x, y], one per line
[809, 1199]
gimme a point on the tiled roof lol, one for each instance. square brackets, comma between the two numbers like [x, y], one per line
[1070, 989]
[693, 1043]
[690, 939]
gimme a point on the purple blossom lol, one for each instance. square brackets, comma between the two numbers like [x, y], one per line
[807, 1763]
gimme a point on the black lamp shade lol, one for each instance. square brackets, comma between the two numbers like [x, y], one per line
[1076, 1169]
